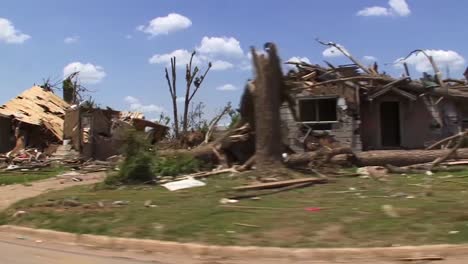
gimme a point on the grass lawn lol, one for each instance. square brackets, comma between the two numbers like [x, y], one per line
[350, 213]
[25, 177]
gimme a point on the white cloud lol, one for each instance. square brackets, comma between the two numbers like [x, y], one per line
[182, 58]
[374, 11]
[88, 73]
[128, 36]
[224, 53]
[9, 34]
[369, 58]
[444, 59]
[136, 105]
[331, 52]
[396, 8]
[226, 87]
[165, 25]
[71, 40]
[180, 99]
[220, 65]
[400, 7]
[299, 59]
[220, 46]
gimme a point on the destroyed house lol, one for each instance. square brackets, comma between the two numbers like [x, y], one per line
[370, 111]
[99, 133]
[32, 119]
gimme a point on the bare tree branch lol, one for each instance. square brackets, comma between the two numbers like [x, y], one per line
[347, 54]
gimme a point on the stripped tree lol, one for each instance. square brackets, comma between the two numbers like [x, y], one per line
[173, 91]
[192, 77]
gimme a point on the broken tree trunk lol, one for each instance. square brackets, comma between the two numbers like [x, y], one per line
[267, 98]
[381, 157]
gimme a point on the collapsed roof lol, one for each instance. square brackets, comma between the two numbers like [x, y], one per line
[319, 80]
[39, 107]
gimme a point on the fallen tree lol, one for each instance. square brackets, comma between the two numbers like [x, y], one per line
[397, 157]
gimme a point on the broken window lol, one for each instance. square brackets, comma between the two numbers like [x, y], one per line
[318, 110]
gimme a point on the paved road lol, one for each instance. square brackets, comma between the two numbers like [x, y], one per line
[13, 252]
[17, 251]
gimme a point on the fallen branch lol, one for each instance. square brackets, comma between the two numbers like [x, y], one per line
[207, 174]
[438, 143]
[264, 193]
[451, 152]
[280, 184]
[215, 121]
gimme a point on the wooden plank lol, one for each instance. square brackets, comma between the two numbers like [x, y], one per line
[280, 184]
[410, 96]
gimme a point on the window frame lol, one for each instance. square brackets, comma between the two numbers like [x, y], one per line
[317, 109]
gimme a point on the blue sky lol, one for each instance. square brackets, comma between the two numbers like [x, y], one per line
[38, 39]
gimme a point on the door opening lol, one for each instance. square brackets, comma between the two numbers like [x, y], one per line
[390, 124]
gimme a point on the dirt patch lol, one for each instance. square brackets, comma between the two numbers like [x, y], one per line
[331, 233]
[286, 234]
[11, 194]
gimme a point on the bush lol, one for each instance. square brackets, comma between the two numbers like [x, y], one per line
[176, 165]
[138, 165]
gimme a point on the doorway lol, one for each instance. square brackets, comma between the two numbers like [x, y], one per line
[390, 124]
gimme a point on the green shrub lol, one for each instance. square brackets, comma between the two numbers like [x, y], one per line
[138, 165]
[176, 165]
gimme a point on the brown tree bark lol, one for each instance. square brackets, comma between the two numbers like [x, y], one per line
[173, 90]
[267, 98]
[381, 157]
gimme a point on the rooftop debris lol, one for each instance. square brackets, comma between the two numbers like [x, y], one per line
[38, 107]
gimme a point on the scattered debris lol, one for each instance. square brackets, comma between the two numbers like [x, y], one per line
[313, 209]
[120, 203]
[390, 211]
[246, 225]
[228, 201]
[183, 184]
[19, 213]
[427, 258]
[71, 203]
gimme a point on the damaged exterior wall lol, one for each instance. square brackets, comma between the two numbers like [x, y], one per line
[6, 135]
[417, 126]
[345, 130]
[99, 133]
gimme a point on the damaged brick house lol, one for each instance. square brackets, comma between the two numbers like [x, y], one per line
[371, 111]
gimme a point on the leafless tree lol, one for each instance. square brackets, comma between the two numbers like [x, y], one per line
[192, 77]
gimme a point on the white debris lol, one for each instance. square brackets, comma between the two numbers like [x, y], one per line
[183, 184]
[227, 201]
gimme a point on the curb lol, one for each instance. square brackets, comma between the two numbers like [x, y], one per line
[238, 252]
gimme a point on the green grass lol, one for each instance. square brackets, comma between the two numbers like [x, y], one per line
[351, 213]
[15, 177]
